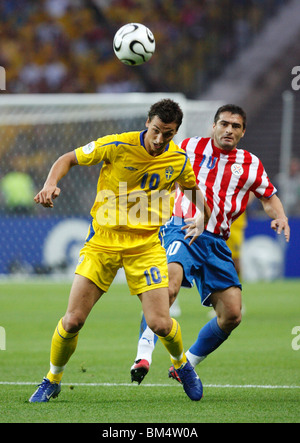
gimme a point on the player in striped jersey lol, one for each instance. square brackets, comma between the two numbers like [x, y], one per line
[226, 176]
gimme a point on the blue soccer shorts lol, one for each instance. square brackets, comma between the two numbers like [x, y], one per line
[207, 262]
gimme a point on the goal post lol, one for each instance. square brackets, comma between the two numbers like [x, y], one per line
[35, 130]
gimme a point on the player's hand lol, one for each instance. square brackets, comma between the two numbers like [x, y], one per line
[46, 196]
[281, 224]
[194, 227]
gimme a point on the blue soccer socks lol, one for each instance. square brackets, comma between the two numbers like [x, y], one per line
[210, 337]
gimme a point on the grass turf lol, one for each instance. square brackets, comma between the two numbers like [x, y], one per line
[253, 377]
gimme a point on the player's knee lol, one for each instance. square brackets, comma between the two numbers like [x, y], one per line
[235, 320]
[160, 327]
[73, 322]
[232, 320]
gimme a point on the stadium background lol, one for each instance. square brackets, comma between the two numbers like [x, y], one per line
[218, 51]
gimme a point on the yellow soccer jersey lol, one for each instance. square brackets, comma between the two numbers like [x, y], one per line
[237, 235]
[135, 189]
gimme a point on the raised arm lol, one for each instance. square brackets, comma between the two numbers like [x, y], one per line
[58, 170]
[274, 209]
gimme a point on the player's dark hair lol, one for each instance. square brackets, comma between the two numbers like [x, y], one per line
[167, 110]
[233, 109]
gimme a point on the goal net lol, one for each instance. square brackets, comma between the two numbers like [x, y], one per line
[36, 130]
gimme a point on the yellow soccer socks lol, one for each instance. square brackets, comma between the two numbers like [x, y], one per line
[173, 344]
[63, 346]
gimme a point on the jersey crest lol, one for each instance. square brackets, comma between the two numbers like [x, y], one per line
[237, 169]
[169, 172]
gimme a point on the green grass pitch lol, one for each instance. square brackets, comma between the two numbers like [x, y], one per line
[253, 377]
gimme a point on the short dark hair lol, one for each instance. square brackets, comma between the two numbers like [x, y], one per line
[167, 110]
[233, 109]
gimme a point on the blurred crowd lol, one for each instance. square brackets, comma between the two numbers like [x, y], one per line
[66, 45]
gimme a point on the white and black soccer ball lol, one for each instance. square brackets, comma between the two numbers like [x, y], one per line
[134, 44]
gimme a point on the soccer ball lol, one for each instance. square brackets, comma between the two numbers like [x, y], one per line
[134, 44]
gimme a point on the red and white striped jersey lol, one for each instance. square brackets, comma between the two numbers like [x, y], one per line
[225, 179]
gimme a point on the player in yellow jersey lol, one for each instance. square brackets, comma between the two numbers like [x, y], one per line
[134, 198]
[236, 240]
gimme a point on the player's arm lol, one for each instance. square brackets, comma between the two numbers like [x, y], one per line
[195, 226]
[274, 209]
[58, 170]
